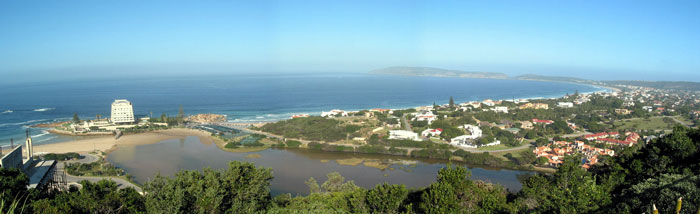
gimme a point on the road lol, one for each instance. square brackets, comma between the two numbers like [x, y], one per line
[89, 158]
[406, 124]
[681, 122]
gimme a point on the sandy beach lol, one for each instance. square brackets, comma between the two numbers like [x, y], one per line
[107, 143]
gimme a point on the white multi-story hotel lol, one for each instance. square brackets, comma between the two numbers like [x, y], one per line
[122, 112]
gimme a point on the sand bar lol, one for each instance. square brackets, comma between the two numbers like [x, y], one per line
[107, 143]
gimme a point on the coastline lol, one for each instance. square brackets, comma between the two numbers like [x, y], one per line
[105, 142]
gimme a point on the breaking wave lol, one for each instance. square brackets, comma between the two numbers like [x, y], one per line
[39, 135]
[44, 109]
[22, 123]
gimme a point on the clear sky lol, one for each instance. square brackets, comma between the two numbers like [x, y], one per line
[643, 40]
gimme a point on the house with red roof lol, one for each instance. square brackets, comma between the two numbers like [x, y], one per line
[538, 121]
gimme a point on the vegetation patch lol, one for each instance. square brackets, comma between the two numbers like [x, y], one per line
[99, 168]
[311, 128]
[62, 157]
[350, 161]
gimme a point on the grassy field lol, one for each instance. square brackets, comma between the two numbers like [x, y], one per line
[653, 123]
[515, 153]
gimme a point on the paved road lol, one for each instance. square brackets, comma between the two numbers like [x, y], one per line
[406, 124]
[89, 158]
[681, 122]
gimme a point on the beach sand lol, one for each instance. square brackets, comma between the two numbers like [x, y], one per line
[107, 143]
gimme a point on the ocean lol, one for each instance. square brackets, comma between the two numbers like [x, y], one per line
[248, 98]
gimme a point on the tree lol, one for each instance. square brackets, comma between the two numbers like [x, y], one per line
[663, 191]
[440, 198]
[451, 132]
[98, 197]
[163, 118]
[13, 185]
[541, 142]
[241, 188]
[526, 157]
[452, 102]
[570, 190]
[76, 119]
[180, 116]
[313, 185]
[386, 198]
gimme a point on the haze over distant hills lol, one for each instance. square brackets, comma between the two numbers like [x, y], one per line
[438, 72]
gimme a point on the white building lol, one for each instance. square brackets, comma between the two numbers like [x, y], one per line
[431, 132]
[475, 131]
[464, 140]
[122, 112]
[496, 142]
[334, 113]
[403, 135]
[565, 104]
[488, 102]
[501, 109]
[425, 116]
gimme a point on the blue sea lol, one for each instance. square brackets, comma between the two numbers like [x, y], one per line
[247, 98]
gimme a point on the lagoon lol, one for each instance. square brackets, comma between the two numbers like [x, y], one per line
[291, 167]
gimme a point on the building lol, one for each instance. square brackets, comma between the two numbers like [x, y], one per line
[488, 102]
[526, 125]
[122, 112]
[501, 109]
[545, 122]
[42, 173]
[622, 111]
[299, 116]
[431, 132]
[565, 104]
[403, 135]
[425, 116]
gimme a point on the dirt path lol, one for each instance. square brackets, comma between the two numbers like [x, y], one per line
[89, 158]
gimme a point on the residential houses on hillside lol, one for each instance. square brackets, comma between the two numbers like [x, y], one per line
[557, 150]
[334, 113]
[534, 106]
[611, 138]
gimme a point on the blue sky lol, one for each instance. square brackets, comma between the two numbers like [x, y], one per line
[645, 40]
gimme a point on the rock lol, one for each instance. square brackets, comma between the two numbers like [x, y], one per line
[207, 118]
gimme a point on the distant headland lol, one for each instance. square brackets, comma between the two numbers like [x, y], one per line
[439, 72]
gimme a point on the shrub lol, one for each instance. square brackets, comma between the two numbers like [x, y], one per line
[293, 143]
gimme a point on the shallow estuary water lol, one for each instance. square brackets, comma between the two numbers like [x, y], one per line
[291, 167]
